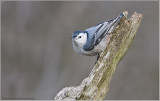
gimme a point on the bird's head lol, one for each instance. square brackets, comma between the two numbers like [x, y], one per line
[79, 38]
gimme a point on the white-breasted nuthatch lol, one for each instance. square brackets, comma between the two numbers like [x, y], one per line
[94, 40]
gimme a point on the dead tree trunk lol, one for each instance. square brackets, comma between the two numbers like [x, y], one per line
[96, 85]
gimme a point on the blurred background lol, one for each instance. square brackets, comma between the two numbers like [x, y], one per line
[38, 59]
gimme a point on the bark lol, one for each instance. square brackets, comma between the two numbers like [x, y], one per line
[96, 85]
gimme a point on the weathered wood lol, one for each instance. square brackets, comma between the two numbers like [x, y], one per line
[96, 85]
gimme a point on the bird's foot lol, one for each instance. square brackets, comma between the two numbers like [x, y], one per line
[97, 58]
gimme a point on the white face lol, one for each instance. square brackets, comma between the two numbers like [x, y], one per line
[81, 39]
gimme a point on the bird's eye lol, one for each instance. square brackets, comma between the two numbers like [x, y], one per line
[79, 36]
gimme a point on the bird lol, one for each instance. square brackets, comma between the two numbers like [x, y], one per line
[93, 41]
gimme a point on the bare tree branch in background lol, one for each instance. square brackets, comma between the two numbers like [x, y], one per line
[95, 86]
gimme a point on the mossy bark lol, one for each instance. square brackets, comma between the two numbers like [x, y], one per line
[96, 85]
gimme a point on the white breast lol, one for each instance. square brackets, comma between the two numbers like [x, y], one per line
[78, 47]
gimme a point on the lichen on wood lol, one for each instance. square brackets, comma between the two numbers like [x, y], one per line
[96, 85]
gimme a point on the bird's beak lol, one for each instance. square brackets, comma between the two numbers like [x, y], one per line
[71, 37]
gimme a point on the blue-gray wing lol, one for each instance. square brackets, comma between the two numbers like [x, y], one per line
[91, 37]
[96, 34]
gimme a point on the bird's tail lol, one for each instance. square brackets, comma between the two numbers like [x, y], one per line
[116, 20]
